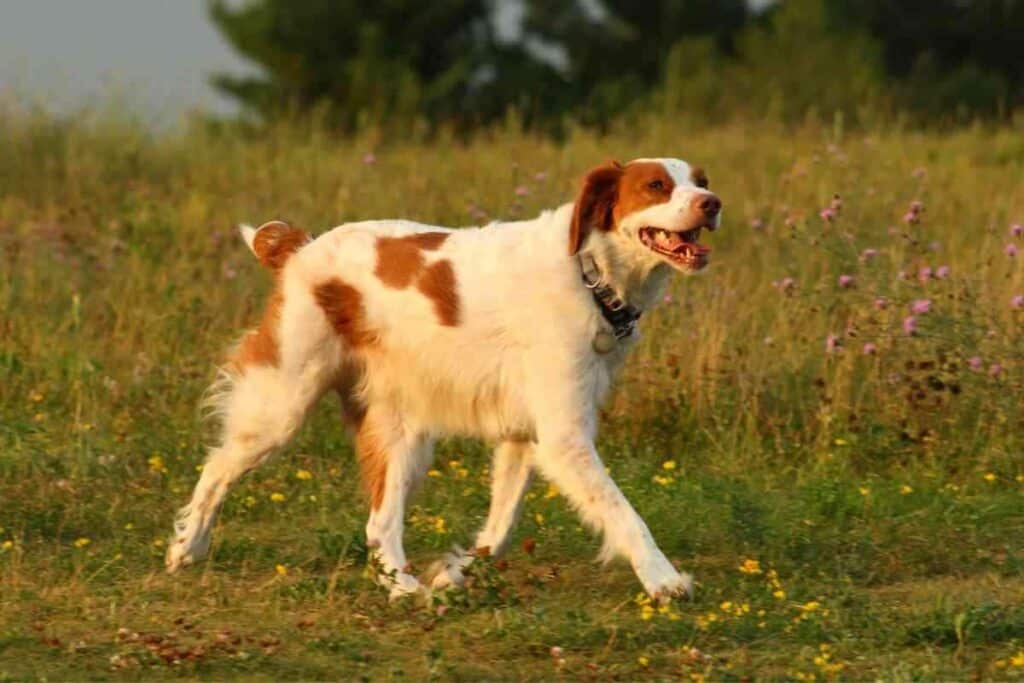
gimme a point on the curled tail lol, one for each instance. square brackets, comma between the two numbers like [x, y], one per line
[274, 242]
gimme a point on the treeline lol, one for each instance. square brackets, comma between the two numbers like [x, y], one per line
[413, 65]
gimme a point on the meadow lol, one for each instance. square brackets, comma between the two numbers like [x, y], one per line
[825, 427]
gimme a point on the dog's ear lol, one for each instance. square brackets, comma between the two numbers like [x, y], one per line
[595, 203]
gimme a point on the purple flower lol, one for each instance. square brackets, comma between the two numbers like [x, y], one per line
[833, 344]
[1017, 229]
[942, 272]
[916, 206]
[869, 349]
[910, 217]
[522, 191]
[828, 213]
[1017, 301]
[974, 363]
[369, 158]
[846, 281]
[667, 298]
[910, 324]
[920, 306]
[1010, 250]
[924, 274]
[867, 255]
[881, 303]
[995, 370]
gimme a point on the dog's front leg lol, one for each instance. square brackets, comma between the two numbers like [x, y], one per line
[572, 463]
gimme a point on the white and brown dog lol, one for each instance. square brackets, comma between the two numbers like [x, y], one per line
[512, 333]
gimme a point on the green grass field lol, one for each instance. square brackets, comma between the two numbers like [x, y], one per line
[848, 491]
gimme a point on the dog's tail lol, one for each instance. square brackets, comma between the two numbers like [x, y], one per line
[274, 242]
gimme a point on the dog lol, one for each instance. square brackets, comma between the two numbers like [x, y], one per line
[512, 333]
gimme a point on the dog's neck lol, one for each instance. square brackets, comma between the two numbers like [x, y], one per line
[638, 282]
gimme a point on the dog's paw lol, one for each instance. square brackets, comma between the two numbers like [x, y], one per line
[403, 585]
[662, 582]
[445, 573]
[181, 553]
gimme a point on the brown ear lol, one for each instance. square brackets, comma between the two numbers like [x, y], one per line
[594, 204]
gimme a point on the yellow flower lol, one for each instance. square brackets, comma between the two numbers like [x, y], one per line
[1018, 659]
[304, 475]
[434, 473]
[662, 481]
[159, 542]
[199, 467]
[904, 489]
[462, 472]
[82, 542]
[810, 606]
[668, 465]
[1020, 478]
[750, 566]
[539, 518]
[250, 501]
[129, 526]
[277, 497]
[439, 525]
[156, 464]
[864, 490]
[989, 477]
[642, 661]
[726, 606]
[35, 396]
[779, 594]
[841, 442]
[551, 492]
[646, 612]
[281, 570]
[7, 545]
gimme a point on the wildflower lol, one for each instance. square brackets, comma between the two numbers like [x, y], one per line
[540, 176]
[250, 501]
[942, 272]
[156, 464]
[989, 477]
[667, 299]
[1017, 229]
[7, 545]
[867, 255]
[974, 363]
[864, 491]
[924, 274]
[129, 526]
[1010, 250]
[910, 324]
[277, 497]
[642, 661]
[1018, 659]
[556, 651]
[522, 191]
[281, 570]
[757, 223]
[828, 214]
[369, 158]
[785, 284]
[779, 594]
[846, 281]
[35, 397]
[911, 217]
[552, 491]
[995, 370]
[304, 475]
[921, 306]
[1017, 301]
[881, 303]
[833, 344]
[811, 606]
[668, 465]
[750, 566]
[662, 481]
[836, 204]
[906, 490]
[439, 526]
[646, 613]
[539, 518]
[82, 542]
[869, 349]
[434, 473]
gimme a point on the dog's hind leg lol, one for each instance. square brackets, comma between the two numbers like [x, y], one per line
[393, 459]
[511, 477]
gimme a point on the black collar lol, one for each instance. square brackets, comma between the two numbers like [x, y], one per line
[620, 315]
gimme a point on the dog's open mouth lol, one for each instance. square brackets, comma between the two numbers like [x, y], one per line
[681, 248]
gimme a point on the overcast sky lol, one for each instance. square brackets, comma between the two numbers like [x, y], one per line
[65, 53]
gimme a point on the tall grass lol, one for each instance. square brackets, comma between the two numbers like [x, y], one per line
[773, 411]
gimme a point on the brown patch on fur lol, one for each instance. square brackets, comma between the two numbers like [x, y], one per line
[373, 463]
[438, 284]
[276, 241]
[399, 260]
[259, 346]
[635, 188]
[595, 204]
[343, 306]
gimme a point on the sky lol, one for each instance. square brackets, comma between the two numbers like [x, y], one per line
[64, 54]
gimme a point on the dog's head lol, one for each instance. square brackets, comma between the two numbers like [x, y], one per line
[652, 210]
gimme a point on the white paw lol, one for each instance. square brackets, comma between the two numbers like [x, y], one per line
[447, 571]
[181, 553]
[402, 585]
[662, 582]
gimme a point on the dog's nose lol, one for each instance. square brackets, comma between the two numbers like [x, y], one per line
[708, 204]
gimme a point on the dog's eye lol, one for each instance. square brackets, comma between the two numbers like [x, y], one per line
[702, 182]
[656, 185]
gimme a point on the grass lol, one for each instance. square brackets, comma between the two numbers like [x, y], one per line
[847, 514]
